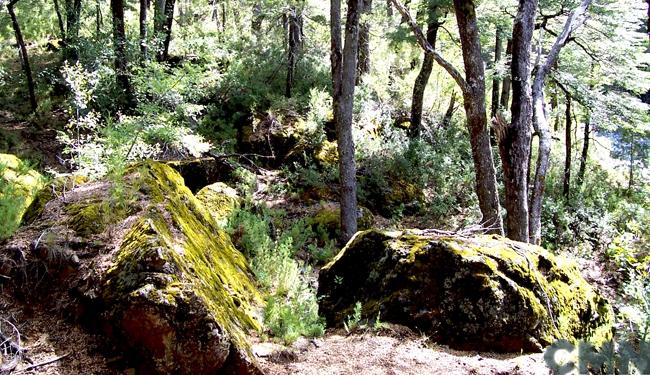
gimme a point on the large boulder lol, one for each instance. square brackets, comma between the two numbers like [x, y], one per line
[148, 265]
[220, 200]
[482, 293]
[19, 184]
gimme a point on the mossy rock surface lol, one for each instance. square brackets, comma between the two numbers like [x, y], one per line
[220, 200]
[179, 295]
[19, 185]
[483, 293]
[59, 186]
[328, 218]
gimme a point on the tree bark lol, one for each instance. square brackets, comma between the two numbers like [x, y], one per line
[119, 42]
[294, 20]
[425, 72]
[143, 29]
[363, 63]
[540, 122]
[631, 177]
[59, 18]
[474, 102]
[514, 139]
[507, 80]
[473, 89]
[566, 181]
[496, 81]
[585, 152]
[99, 22]
[449, 114]
[22, 52]
[389, 9]
[347, 165]
[258, 17]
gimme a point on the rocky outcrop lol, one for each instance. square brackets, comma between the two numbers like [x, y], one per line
[220, 200]
[19, 185]
[483, 293]
[148, 264]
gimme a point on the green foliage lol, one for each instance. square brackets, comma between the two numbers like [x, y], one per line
[353, 321]
[291, 309]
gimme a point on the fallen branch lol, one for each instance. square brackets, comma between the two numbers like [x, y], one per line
[47, 362]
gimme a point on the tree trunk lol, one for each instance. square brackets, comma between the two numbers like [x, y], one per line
[22, 52]
[294, 20]
[474, 102]
[59, 17]
[496, 81]
[507, 80]
[446, 121]
[566, 182]
[347, 166]
[514, 144]
[167, 21]
[143, 29]
[73, 18]
[631, 178]
[258, 17]
[363, 63]
[585, 151]
[99, 22]
[425, 72]
[540, 121]
[119, 41]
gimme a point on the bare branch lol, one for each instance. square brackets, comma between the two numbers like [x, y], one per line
[422, 41]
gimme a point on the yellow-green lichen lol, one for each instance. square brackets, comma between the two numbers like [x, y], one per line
[220, 200]
[18, 186]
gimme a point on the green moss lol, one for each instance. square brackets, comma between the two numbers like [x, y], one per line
[328, 218]
[176, 257]
[220, 200]
[18, 186]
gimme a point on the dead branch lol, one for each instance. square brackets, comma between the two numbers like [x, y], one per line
[47, 362]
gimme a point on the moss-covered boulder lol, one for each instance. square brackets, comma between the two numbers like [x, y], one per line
[483, 293]
[19, 184]
[220, 200]
[328, 218]
[179, 295]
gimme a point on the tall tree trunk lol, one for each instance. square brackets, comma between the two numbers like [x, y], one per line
[167, 22]
[99, 22]
[119, 42]
[73, 19]
[631, 178]
[540, 122]
[347, 165]
[474, 102]
[473, 88]
[507, 80]
[585, 151]
[59, 17]
[566, 182]
[425, 72]
[496, 81]
[22, 52]
[294, 20]
[389, 9]
[143, 29]
[514, 144]
[363, 62]
[258, 17]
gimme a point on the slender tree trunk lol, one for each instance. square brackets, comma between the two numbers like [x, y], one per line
[167, 22]
[496, 81]
[143, 29]
[474, 101]
[631, 178]
[294, 37]
[59, 17]
[389, 9]
[22, 52]
[449, 114]
[514, 145]
[73, 18]
[119, 41]
[425, 72]
[540, 122]
[258, 17]
[99, 22]
[347, 166]
[363, 63]
[585, 151]
[507, 80]
[566, 183]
